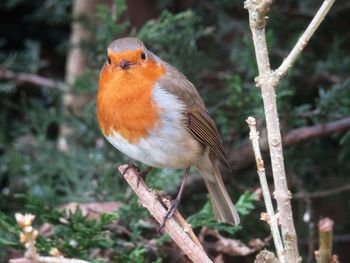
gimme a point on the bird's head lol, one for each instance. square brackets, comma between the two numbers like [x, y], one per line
[126, 53]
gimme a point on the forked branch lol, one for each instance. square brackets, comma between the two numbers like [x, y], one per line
[267, 81]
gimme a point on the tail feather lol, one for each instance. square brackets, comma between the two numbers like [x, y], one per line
[223, 207]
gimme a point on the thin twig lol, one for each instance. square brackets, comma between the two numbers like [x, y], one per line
[267, 81]
[305, 37]
[324, 193]
[304, 133]
[254, 137]
[175, 230]
[20, 77]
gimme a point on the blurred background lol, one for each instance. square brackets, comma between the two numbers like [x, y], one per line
[52, 152]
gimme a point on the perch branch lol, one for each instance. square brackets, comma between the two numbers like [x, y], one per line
[305, 37]
[176, 230]
[33, 79]
[267, 81]
[254, 137]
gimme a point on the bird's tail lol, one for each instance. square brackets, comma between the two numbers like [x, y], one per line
[223, 207]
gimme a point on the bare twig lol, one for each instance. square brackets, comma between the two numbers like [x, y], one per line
[325, 229]
[33, 79]
[324, 193]
[267, 81]
[305, 37]
[254, 137]
[315, 131]
[229, 246]
[175, 230]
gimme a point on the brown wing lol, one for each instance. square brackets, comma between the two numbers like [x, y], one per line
[199, 123]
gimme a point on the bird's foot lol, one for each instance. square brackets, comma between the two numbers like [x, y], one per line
[128, 167]
[143, 174]
[170, 212]
[140, 174]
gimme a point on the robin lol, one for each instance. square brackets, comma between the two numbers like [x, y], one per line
[151, 112]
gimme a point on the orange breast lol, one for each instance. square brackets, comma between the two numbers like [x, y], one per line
[124, 100]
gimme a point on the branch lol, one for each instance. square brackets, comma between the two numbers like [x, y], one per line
[32, 79]
[221, 245]
[254, 137]
[325, 228]
[267, 81]
[315, 131]
[325, 193]
[305, 37]
[180, 232]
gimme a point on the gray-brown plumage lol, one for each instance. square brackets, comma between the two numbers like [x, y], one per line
[203, 128]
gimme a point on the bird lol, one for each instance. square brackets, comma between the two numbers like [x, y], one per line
[149, 111]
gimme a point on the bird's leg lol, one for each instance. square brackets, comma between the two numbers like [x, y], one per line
[143, 174]
[174, 204]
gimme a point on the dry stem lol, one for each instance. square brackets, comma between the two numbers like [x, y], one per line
[325, 228]
[178, 231]
[20, 77]
[254, 137]
[268, 80]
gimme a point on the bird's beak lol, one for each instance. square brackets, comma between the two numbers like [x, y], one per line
[125, 64]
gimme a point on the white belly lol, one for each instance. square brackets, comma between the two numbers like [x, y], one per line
[169, 144]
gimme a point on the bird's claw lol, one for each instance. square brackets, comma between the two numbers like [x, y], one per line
[139, 174]
[169, 213]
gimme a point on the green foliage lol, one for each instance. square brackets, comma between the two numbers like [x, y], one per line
[108, 28]
[9, 232]
[187, 57]
[242, 100]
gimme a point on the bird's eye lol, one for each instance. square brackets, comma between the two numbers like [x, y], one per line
[109, 60]
[143, 56]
